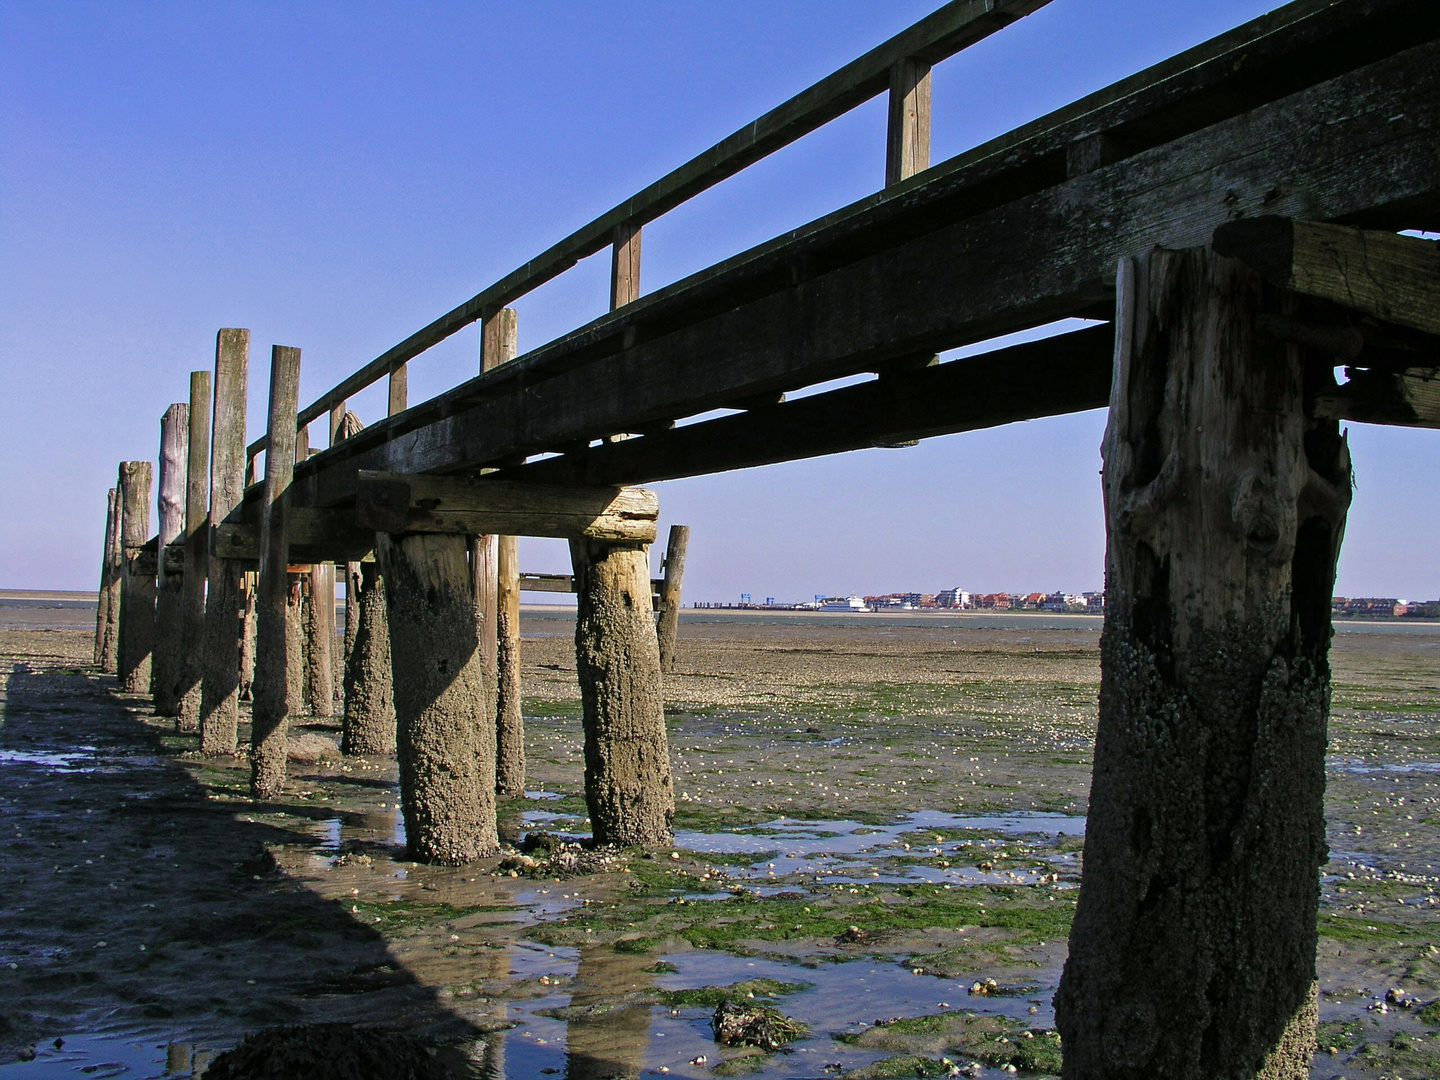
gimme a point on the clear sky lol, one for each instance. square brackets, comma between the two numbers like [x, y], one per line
[336, 175]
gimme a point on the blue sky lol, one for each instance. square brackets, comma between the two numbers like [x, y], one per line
[335, 175]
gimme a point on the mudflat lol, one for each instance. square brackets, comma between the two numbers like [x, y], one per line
[879, 837]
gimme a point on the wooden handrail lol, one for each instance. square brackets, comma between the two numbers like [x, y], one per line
[940, 34]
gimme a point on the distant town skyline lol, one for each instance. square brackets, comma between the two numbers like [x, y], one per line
[335, 178]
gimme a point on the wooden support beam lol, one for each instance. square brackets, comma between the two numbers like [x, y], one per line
[398, 396]
[226, 608]
[277, 656]
[499, 339]
[1066, 373]
[136, 640]
[107, 613]
[194, 540]
[169, 604]
[561, 583]
[907, 144]
[369, 723]
[316, 535]
[319, 617]
[394, 503]
[1393, 278]
[1408, 398]
[509, 720]
[625, 265]
[445, 734]
[628, 786]
[337, 421]
[667, 624]
[484, 585]
[1224, 509]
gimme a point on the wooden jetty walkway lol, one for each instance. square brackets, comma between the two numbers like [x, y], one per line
[1227, 220]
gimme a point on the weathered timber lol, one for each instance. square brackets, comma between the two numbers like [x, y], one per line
[628, 787]
[1394, 278]
[445, 736]
[499, 339]
[248, 632]
[316, 534]
[907, 142]
[945, 32]
[225, 608]
[563, 583]
[320, 639]
[107, 608]
[369, 722]
[1192, 952]
[484, 587]
[667, 623]
[1410, 398]
[446, 504]
[398, 392]
[277, 657]
[936, 266]
[625, 265]
[136, 635]
[509, 720]
[169, 604]
[346, 425]
[190, 658]
[297, 671]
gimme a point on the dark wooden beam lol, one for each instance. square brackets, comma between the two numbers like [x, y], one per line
[1390, 277]
[1062, 374]
[1409, 398]
[396, 503]
[315, 535]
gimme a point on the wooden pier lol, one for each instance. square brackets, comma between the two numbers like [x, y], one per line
[1226, 221]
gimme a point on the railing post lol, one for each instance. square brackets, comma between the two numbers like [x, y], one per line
[398, 399]
[625, 265]
[907, 146]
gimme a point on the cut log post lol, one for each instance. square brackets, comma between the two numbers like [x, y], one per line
[169, 605]
[1192, 952]
[667, 625]
[907, 144]
[369, 724]
[628, 788]
[499, 343]
[190, 658]
[228, 608]
[136, 638]
[444, 734]
[320, 639]
[107, 608]
[276, 654]
[509, 721]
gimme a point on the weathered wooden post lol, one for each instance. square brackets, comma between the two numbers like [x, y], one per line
[136, 635]
[344, 424]
[907, 145]
[169, 631]
[627, 761]
[673, 571]
[499, 342]
[107, 609]
[445, 732]
[483, 587]
[320, 640]
[190, 659]
[276, 652]
[509, 722]
[250, 586]
[369, 724]
[225, 603]
[1193, 948]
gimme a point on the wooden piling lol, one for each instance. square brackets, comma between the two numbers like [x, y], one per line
[226, 602]
[190, 658]
[107, 608]
[483, 588]
[169, 610]
[136, 636]
[320, 640]
[673, 570]
[509, 723]
[628, 787]
[276, 657]
[1192, 952]
[445, 735]
[369, 723]
[344, 424]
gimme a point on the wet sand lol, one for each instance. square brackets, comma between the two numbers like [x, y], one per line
[883, 809]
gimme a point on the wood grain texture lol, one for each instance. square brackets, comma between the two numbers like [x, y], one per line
[194, 539]
[169, 603]
[907, 136]
[509, 719]
[136, 639]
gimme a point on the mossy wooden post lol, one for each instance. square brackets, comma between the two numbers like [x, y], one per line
[499, 342]
[369, 724]
[343, 424]
[276, 656]
[227, 602]
[136, 637]
[1193, 948]
[668, 624]
[509, 723]
[445, 735]
[250, 586]
[169, 606]
[107, 610]
[190, 660]
[627, 759]
[483, 587]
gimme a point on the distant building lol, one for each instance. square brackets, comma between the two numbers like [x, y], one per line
[850, 603]
[952, 598]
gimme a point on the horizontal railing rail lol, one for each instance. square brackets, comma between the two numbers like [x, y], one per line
[939, 35]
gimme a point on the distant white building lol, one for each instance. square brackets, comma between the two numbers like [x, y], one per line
[953, 598]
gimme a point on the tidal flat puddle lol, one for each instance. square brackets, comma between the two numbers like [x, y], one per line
[103, 1056]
